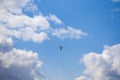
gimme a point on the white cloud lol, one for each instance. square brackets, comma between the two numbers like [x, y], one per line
[13, 6]
[29, 34]
[14, 23]
[104, 66]
[54, 18]
[17, 64]
[20, 21]
[68, 33]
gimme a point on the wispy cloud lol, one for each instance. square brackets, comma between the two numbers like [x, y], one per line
[68, 33]
[104, 66]
[82, 78]
[54, 18]
[116, 0]
[115, 12]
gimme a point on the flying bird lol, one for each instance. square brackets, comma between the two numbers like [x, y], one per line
[60, 47]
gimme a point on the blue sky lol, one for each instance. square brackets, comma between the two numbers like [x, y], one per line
[90, 25]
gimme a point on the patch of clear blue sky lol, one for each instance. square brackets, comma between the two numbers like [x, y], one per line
[92, 16]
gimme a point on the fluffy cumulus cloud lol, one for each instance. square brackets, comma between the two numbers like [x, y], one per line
[104, 66]
[17, 64]
[14, 23]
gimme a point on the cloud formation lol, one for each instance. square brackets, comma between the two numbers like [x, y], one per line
[17, 64]
[15, 23]
[104, 66]
[54, 18]
[68, 33]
